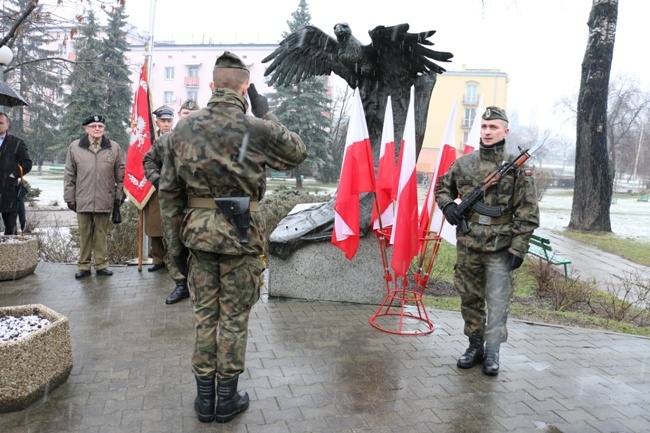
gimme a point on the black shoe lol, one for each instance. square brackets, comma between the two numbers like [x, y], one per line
[104, 272]
[204, 401]
[81, 274]
[491, 362]
[179, 293]
[473, 355]
[230, 402]
[155, 267]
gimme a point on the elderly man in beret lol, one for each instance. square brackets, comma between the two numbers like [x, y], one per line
[494, 247]
[93, 179]
[210, 191]
[152, 162]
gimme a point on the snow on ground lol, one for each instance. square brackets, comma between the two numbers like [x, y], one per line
[629, 217]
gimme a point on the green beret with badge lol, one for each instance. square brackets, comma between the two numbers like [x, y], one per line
[494, 113]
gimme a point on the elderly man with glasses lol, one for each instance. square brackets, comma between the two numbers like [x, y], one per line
[94, 174]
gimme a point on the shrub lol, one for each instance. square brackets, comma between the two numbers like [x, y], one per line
[123, 237]
[562, 293]
[628, 299]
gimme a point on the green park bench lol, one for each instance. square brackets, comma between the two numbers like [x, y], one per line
[643, 197]
[541, 247]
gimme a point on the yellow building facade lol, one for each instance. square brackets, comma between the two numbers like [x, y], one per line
[467, 88]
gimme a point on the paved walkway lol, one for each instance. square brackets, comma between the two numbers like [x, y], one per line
[320, 367]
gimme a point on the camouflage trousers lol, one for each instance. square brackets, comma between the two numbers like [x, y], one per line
[483, 280]
[223, 290]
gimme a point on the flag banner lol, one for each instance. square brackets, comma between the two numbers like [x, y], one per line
[446, 157]
[357, 176]
[404, 236]
[474, 136]
[385, 173]
[136, 186]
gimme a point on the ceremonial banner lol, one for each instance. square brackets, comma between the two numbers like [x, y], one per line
[136, 186]
[385, 173]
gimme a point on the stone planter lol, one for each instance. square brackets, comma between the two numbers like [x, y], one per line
[37, 363]
[19, 256]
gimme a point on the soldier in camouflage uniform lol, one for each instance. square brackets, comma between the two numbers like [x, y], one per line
[215, 165]
[494, 247]
[152, 162]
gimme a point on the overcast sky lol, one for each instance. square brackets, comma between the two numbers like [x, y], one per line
[538, 43]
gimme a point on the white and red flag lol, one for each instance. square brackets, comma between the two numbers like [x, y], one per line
[431, 216]
[357, 176]
[385, 173]
[404, 236]
[136, 185]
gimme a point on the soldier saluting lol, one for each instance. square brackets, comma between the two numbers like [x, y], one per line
[493, 247]
[212, 181]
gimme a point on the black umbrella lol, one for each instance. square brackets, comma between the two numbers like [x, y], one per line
[9, 97]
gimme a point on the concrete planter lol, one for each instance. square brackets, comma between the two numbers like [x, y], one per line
[19, 256]
[37, 363]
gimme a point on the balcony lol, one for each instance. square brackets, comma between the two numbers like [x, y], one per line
[192, 81]
[470, 99]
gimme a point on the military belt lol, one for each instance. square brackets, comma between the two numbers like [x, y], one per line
[209, 203]
[490, 221]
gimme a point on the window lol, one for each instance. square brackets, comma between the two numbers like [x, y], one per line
[193, 71]
[169, 98]
[470, 113]
[471, 94]
[192, 95]
[169, 73]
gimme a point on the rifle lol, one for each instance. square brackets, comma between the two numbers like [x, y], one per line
[472, 202]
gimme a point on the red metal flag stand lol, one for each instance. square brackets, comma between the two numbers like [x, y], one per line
[403, 300]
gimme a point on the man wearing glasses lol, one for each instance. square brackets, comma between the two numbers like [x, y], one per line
[94, 173]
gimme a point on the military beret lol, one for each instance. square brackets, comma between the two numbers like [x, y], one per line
[190, 104]
[164, 112]
[493, 113]
[93, 118]
[229, 60]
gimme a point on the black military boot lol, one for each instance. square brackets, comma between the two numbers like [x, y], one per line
[473, 355]
[491, 362]
[229, 401]
[180, 292]
[204, 401]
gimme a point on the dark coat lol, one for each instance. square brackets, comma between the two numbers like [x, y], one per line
[12, 152]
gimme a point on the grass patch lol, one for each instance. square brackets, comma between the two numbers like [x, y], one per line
[629, 249]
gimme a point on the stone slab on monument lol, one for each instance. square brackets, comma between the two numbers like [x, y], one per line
[37, 363]
[320, 271]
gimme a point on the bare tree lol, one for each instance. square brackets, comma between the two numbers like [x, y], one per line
[593, 179]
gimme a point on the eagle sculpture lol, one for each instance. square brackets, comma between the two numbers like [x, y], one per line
[394, 61]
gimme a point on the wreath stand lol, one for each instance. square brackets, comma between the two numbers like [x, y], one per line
[402, 311]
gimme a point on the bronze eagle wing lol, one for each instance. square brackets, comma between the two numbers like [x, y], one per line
[306, 53]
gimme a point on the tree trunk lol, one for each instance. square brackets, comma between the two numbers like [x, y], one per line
[593, 182]
[298, 173]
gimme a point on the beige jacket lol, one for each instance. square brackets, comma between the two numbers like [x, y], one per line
[93, 180]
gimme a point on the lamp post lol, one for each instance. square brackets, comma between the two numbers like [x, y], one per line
[6, 56]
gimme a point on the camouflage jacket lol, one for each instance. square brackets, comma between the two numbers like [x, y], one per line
[152, 160]
[220, 151]
[515, 195]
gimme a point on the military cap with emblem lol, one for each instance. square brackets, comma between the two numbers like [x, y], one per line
[229, 60]
[164, 112]
[494, 113]
[93, 118]
[190, 104]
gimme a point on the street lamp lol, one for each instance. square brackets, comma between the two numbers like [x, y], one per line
[6, 56]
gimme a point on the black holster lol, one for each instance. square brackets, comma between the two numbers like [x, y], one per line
[237, 212]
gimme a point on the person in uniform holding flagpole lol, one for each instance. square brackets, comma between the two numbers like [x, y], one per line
[152, 162]
[493, 247]
[210, 190]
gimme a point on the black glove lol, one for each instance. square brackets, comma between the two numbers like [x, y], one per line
[181, 261]
[259, 103]
[451, 214]
[514, 261]
[155, 183]
[72, 206]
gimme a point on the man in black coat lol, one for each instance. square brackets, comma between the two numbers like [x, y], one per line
[13, 152]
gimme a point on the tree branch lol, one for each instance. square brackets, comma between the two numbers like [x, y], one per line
[12, 32]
